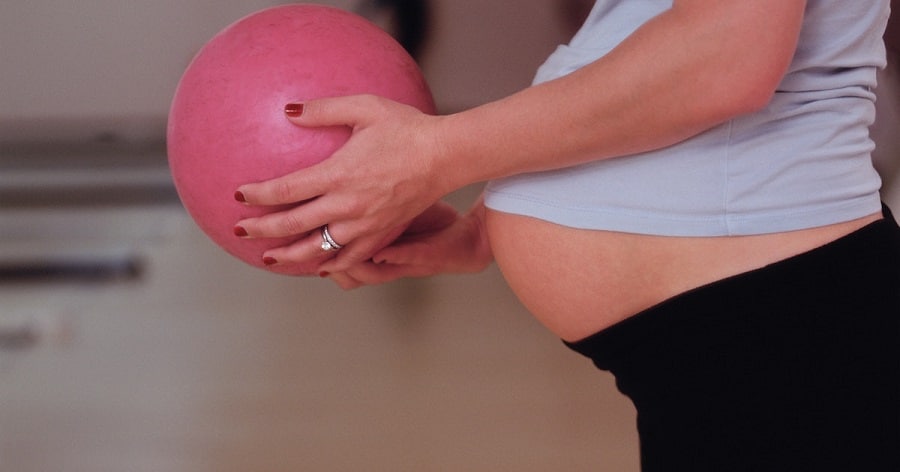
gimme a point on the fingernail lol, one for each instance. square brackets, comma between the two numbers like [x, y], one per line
[324, 274]
[240, 232]
[239, 196]
[269, 261]
[293, 109]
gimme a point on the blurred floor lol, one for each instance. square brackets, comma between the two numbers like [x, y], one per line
[204, 364]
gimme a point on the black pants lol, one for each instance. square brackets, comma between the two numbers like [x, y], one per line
[795, 366]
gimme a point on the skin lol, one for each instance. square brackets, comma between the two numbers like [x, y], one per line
[691, 68]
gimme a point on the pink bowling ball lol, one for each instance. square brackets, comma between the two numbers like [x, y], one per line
[227, 125]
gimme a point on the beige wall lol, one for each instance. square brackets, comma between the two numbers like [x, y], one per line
[123, 58]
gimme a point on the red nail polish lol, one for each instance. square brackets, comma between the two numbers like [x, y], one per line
[269, 261]
[240, 232]
[324, 274]
[239, 196]
[293, 109]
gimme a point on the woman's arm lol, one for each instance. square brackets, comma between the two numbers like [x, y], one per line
[692, 67]
[685, 71]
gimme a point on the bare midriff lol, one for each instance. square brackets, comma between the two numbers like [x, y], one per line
[578, 282]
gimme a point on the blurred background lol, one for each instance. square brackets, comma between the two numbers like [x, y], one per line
[128, 341]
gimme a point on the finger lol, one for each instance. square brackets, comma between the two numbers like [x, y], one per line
[382, 273]
[350, 111]
[368, 273]
[405, 253]
[358, 251]
[299, 220]
[345, 281]
[299, 186]
[307, 251]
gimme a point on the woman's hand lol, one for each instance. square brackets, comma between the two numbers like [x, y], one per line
[438, 241]
[366, 192]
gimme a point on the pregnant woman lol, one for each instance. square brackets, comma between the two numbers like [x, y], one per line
[685, 195]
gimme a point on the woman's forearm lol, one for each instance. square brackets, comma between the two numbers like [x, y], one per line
[685, 71]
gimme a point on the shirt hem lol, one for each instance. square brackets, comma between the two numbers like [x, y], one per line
[658, 223]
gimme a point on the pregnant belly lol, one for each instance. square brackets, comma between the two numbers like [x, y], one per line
[578, 282]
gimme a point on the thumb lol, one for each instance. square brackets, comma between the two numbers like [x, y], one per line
[398, 253]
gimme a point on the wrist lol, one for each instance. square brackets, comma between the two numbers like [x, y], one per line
[452, 158]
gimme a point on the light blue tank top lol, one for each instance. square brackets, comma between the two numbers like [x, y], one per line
[803, 161]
